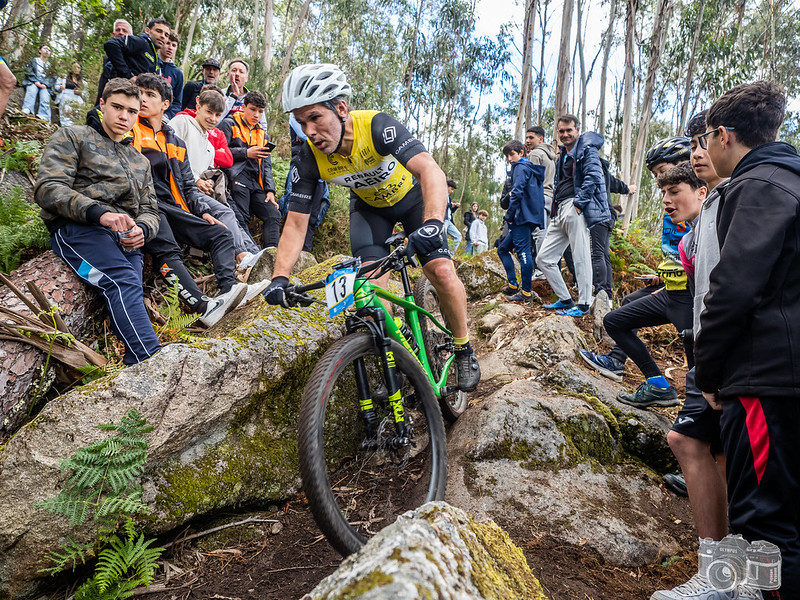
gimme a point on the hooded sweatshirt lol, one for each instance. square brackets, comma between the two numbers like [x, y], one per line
[526, 204]
[749, 340]
[545, 155]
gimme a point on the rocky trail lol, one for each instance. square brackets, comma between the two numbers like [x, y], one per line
[544, 450]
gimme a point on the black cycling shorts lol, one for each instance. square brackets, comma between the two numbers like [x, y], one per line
[697, 419]
[370, 227]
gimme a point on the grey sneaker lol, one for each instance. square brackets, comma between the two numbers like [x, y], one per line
[468, 371]
[606, 365]
[649, 395]
[676, 482]
[223, 304]
[697, 588]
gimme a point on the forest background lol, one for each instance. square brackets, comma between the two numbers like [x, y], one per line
[633, 70]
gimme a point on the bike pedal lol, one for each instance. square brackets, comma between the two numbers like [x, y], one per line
[449, 389]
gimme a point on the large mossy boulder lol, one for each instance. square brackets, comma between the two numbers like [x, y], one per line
[482, 275]
[557, 462]
[224, 413]
[436, 551]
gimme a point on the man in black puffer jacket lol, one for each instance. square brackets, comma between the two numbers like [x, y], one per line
[748, 350]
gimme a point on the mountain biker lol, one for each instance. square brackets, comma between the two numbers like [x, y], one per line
[392, 178]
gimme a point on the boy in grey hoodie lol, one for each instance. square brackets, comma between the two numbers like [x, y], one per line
[543, 154]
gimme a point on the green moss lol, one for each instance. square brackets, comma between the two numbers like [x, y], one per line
[525, 454]
[397, 556]
[587, 440]
[499, 569]
[364, 584]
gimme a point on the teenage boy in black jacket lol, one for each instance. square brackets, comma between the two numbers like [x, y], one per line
[748, 350]
[134, 54]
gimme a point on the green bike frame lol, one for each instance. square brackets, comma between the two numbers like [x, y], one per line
[367, 295]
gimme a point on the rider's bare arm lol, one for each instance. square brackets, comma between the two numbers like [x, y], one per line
[433, 182]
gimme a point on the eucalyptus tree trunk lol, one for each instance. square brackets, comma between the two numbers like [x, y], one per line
[690, 70]
[607, 40]
[562, 78]
[662, 17]
[12, 38]
[582, 63]
[540, 79]
[189, 41]
[266, 55]
[412, 64]
[254, 34]
[627, 93]
[526, 89]
[292, 42]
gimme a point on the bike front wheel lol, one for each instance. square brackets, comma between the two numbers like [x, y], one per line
[425, 296]
[356, 484]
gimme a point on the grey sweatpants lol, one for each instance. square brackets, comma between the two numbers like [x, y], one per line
[567, 228]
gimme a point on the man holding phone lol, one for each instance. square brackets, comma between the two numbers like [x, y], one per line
[252, 184]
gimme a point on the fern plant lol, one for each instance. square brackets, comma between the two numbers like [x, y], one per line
[25, 156]
[104, 487]
[176, 322]
[20, 229]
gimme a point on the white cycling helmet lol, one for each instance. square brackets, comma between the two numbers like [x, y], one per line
[313, 84]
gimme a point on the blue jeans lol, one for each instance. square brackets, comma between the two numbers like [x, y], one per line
[453, 232]
[29, 103]
[519, 238]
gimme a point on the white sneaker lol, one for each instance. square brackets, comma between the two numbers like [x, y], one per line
[697, 588]
[745, 592]
[223, 304]
[254, 289]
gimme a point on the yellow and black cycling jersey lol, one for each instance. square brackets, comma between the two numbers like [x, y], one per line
[374, 171]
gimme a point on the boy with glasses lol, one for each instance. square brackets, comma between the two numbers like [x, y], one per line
[748, 346]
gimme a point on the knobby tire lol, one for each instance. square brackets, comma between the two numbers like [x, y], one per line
[354, 492]
[425, 296]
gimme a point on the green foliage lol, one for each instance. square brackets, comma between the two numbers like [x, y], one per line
[20, 229]
[177, 322]
[24, 156]
[104, 487]
[127, 563]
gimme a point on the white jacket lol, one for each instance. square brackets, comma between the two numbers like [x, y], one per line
[199, 151]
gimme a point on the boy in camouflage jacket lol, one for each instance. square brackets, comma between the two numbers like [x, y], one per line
[98, 202]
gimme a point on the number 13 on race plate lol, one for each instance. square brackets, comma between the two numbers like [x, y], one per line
[339, 290]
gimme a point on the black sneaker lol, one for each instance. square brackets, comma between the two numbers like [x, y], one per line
[520, 296]
[510, 290]
[468, 371]
[649, 395]
[676, 483]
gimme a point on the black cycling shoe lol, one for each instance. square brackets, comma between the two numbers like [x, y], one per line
[468, 371]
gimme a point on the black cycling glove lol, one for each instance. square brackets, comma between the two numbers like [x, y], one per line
[427, 238]
[276, 292]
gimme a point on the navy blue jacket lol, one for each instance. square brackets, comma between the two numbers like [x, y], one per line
[590, 183]
[171, 72]
[132, 55]
[526, 204]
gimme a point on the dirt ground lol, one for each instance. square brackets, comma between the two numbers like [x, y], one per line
[282, 555]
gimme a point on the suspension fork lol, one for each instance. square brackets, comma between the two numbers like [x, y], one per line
[377, 327]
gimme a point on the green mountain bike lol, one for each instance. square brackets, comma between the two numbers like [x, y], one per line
[371, 436]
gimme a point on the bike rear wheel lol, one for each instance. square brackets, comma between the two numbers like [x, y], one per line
[355, 489]
[425, 296]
